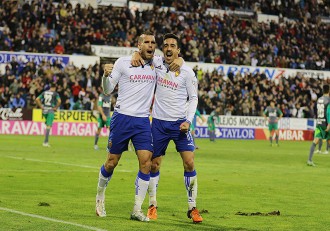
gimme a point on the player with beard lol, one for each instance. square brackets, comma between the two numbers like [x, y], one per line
[130, 121]
[171, 121]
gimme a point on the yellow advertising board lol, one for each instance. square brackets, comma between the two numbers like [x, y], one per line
[67, 116]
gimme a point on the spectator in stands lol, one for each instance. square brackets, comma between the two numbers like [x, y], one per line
[5, 95]
[221, 39]
[13, 87]
[17, 102]
[233, 39]
[59, 49]
[75, 90]
[3, 100]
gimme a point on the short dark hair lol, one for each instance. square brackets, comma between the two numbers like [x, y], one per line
[141, 37]
[326, 89]
[52, 85]
[173, 36]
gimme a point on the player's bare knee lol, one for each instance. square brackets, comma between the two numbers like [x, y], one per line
[188, 165]
[146, 164]
[111, 163]
[155, 167]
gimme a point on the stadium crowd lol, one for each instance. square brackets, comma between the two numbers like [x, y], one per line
[234, 94]
[300, 42]
[59, 28]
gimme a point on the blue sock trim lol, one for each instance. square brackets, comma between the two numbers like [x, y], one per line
[145, 177]
[190, 174]
[154, 174]
[105, 173]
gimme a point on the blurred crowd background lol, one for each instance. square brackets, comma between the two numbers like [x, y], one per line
[300, 40]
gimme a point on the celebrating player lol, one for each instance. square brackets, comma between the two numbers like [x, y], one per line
[171, 122]
[130, 120]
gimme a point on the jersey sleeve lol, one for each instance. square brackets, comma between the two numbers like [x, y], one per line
[279, 112]
[109, 82]
[192, 87]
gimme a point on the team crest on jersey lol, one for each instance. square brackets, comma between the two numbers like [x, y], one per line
[152, 67]
[177, 73]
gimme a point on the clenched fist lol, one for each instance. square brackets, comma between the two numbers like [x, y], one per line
[184, 127]
[108, 69]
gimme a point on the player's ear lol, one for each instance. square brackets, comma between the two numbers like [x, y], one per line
[179, 50]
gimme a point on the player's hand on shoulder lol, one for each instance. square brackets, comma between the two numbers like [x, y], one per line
[108, 69]
[137, 59]
[176, 65]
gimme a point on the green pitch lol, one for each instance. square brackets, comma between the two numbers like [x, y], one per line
[54, 188]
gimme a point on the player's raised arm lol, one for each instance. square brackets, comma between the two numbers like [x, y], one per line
[110, 77]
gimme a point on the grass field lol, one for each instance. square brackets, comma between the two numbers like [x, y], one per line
[233, 176]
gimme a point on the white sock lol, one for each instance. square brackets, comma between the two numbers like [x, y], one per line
[190, 181]
[102, 183]
[141, 188]
[152, 189]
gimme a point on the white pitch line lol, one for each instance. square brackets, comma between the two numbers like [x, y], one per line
[61, 163]
[51, 219]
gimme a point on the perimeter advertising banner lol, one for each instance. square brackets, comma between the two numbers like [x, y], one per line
[258, 122]
[227, 133]
[270, 72]
[37, 58]
[254, 134]
[84, 123]
[67, 116]
[297, 135]
[253, 127]
[6, 57]
[15, 114]
[59, 128]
